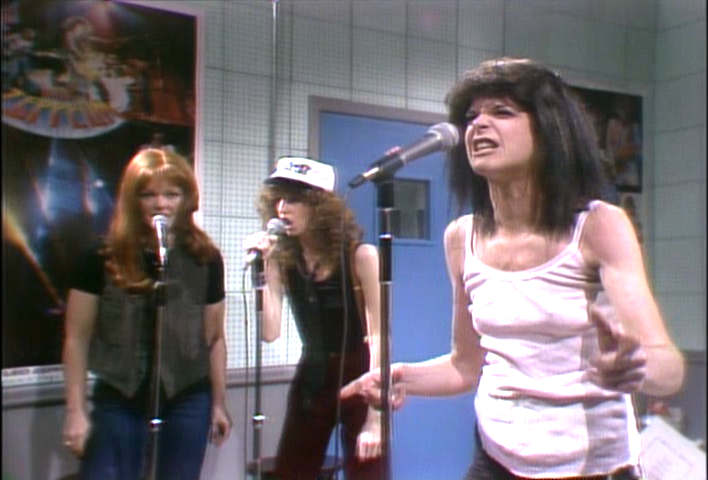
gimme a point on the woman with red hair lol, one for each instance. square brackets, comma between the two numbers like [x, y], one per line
[110, 318]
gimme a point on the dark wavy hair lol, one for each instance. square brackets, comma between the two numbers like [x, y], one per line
[332, 224]
[569, 174]
[129, 235]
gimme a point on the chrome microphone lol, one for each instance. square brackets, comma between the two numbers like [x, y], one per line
[161, 225]
[441, 136]
[274, 227]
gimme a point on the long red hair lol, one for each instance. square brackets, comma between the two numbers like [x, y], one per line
[129, 235]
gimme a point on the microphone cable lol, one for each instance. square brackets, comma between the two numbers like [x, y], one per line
[345, 273]
[246, 371]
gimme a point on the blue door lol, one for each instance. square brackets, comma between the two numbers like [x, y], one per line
[433, 438]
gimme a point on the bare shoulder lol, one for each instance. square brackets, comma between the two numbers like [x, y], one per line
[456, 231]
[366, 252]
[608, 232]
[455, 235]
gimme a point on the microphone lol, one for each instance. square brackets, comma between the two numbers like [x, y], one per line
[441, 136]
[274, 227]
[161, 224]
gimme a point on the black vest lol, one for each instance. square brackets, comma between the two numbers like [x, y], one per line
[122, 342]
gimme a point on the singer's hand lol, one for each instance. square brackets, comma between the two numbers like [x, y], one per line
[261, 241]
[220, 424]
[76, 431]
[368, 386]
[368, 443]
[621, 363]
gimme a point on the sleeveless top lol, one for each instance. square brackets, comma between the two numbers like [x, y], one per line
[319, 311]
[537, 413]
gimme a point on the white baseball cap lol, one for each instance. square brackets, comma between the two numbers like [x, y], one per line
[304, 170]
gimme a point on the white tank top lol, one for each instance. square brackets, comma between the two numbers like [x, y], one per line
[537, 413]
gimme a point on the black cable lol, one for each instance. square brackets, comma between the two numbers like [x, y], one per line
[246, 370]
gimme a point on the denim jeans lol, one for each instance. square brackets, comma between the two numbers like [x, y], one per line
[116, 448]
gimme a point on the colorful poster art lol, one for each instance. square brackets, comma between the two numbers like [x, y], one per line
[618, 125]
[85, 85]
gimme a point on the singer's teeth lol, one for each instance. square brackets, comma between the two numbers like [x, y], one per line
[482, 144]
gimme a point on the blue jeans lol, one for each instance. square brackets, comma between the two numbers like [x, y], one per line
[116, 448]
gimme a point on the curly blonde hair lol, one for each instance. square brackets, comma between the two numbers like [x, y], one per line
[332, 224]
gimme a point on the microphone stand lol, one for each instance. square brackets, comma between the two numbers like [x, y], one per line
[385, 206]
[155, 422]
[258, 282]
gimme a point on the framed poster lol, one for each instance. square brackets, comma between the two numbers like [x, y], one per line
[617, 118]
[85, 85]
[618, 124]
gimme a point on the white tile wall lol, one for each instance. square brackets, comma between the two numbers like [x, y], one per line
[672, 13]
[379, 62]
[321, 53]
[430, 68]
[679, 267]
[384, 16]
[680, 215]
[433, 19]
[247, 108]
[252, 36]
[213, 104]
[682, 155]
[680, 168]
[681, 310]
[639, 62]
[682, 52]
[481, 24]
[213, 33]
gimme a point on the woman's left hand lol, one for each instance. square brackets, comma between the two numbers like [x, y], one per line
[220, 424]
[621, 364]
[368, 443]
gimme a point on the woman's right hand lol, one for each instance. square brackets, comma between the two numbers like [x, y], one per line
[261, 241]
[368, 386]
[76, 430]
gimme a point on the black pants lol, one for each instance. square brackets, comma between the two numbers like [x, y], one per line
[485, 467]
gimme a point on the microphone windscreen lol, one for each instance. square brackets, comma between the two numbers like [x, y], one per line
[275, 226]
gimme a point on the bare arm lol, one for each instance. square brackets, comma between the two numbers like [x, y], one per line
[273, 288]
[609, 241]
[459, 370]
[449, 374]
[214, 330]
[272, 301]
[366, 268]
[81, 310]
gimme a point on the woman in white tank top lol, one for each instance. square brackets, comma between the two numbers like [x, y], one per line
[554, 323]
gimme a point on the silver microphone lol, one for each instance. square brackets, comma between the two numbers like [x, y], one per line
[161, 225]
[274, 227]
[441, 136]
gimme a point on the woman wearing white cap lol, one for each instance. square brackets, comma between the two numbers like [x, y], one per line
[331, 281]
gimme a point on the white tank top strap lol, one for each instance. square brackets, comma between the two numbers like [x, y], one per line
[582, 216]
[470, 237]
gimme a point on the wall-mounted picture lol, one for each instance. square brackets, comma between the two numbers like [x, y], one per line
[618, 123]
[85, 85]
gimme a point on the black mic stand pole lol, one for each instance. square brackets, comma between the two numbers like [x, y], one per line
[258, 283]
[385, 206]
[155, 422]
